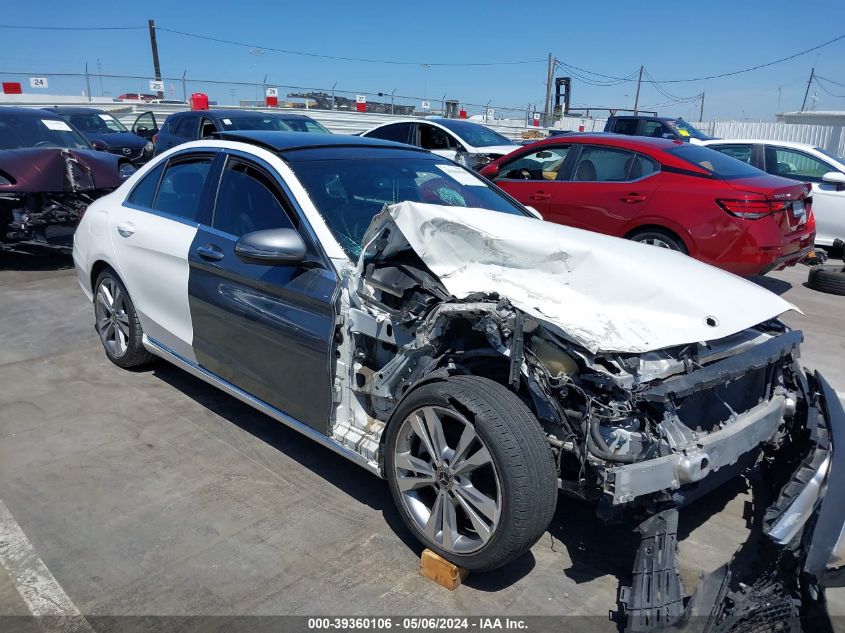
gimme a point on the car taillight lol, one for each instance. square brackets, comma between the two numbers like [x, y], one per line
[751, 209]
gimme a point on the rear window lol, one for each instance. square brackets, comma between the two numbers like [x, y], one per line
[717, 164]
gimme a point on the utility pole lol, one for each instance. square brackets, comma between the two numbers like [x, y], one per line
[550, 73]
[154, 46]
[100, 72]
[701, 111]
[807, 91]
[87, 82]
[780, 90]
[637, 97]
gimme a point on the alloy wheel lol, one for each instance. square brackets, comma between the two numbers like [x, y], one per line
[112, 318]
[447, 479]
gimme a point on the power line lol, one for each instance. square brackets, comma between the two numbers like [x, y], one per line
[340, 58]
[666, 93]
[820, 85]
[721, 75]
[72, 28]
[830, 81]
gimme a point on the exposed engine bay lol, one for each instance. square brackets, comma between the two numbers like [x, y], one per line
[47, 218]
[638, 429]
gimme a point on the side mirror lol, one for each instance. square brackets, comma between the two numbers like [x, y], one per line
[271, 246]
[834, 178]
[99, 145]
[490, 171]
[534, 212]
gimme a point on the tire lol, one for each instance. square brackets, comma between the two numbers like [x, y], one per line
[827, 279]
[516, 476]
[662, 239]
[117, 324]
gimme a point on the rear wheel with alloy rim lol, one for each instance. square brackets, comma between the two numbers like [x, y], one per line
[661, 239]
[117, 323]
[470, 471]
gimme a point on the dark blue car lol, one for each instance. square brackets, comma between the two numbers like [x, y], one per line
[194, 125]
[98, 125]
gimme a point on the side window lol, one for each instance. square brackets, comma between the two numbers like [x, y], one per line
[542, 165]
[603, 164]
[657, 129]
[181, 187]
[186, 127]
[434, 138]
[739, 152]
[625, 126]
[144, 192]
[208, 128]
[640, 166]
[791, 163]
[248, 200]
[397, 132]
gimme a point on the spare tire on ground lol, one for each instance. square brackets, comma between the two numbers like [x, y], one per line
[827, 279]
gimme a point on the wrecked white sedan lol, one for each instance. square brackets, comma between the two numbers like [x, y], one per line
[401, 311]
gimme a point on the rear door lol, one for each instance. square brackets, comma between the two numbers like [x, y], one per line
[534, 178]
[152, 232]
[828, 198]
[266, 329]
[605, 189]
[399, 132]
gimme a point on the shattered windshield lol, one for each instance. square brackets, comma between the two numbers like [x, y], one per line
[349, 193]
[19, 132]
[96, 123]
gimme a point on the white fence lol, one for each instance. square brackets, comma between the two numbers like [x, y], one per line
[828, 137]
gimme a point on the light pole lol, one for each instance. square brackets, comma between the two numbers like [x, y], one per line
[334, 107]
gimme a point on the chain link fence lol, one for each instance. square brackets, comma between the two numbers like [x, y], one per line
[95, 87]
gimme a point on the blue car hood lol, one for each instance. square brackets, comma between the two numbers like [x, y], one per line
[118, 139]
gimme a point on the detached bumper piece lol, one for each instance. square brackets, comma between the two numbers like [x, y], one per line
[776, 581]
[656, 598]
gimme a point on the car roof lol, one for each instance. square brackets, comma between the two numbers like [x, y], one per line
[759, 141]
[74, 110]
[252, 114]
[33, 112]
[283, 142]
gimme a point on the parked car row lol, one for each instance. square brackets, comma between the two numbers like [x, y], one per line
[410, 316]
[56, 161]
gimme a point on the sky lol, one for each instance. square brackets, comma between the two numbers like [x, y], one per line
[614, 38]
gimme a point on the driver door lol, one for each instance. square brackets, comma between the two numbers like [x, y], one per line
[532, 178]
[437, 141]
[145, 125]
[267, 329]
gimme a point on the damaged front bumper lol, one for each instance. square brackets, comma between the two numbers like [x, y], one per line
[796, 544]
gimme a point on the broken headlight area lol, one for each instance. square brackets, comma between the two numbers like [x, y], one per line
[777, 579]
[48, 219]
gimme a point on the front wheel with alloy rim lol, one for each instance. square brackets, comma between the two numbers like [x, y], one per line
[117, 323]
[470, 471]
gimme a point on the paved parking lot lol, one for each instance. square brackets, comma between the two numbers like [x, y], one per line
[150, 493]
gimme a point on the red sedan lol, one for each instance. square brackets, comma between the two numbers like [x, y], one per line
[667, 193]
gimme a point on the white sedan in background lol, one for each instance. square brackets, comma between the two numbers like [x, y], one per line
[468, 143]
[799, 161]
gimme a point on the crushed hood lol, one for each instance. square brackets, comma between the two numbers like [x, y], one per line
[605, 293]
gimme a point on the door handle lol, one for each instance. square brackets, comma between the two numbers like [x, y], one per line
[540, 196]
[210, 252]
[633, 197]
[125, 229]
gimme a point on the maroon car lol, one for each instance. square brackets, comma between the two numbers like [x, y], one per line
[49, 174]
